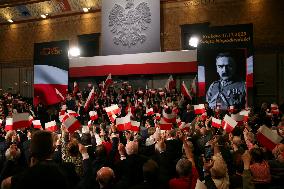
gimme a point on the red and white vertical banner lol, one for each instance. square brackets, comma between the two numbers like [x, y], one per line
[72, 124]
[216, 122]
[108, 81]
[51, 126]
[201, 81]
[37, 124]
[9, 124]
[93, 115]
[123, 123]
[135, 125]
[170, 84]
[268, 138]
[193, 86]
[229, 124]
[21, 120]
[249, 74]
[199, 109]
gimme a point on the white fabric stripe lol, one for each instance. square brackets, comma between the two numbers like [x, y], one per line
[135, 123]
[50, 124]
[21, 117]
[44, 74]
[201, 74]
[250, 65]
[123, 120]
[142, 58]
[218, 121]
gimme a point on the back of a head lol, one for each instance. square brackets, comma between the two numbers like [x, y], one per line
[86, 139]
[131, 148]
[41, 145]
[257, 155]
[105, 177]
[184, 167]
[150, 171]
[100, 151]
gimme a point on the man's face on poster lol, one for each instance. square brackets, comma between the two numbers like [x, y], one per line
[225, 67]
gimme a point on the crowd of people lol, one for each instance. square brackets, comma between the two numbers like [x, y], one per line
[192, 154]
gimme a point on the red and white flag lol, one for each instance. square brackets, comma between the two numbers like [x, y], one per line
[169, 118]
[89, 99]
[171, 84]
[149, 111]
[59, 94]
[268, 138]
[204, 116]
[245, 113]
[199, 109]
[157, 116]
[37, 124]
[51, 126]
[108, 81]
[238, 118]
[165, 125]
[228, 124]
[216, 122]
[185, 91]
[112, 117]
[31, 118]
[72, 124]
[93, 115]
[90, 123]
[123, 123]
[75, 88]
[135, 125]
[72, 113]
[9, 124]
[114, 109]
[21, 120]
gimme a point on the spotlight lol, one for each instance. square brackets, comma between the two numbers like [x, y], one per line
[10, 20]
[193, 41]
[43, 16]
[85, 9]
[74, 52]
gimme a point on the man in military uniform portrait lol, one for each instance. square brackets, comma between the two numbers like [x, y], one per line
[229, 89]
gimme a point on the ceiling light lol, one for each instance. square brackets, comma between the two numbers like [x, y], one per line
[193, 41]
[86, 9]
[43, 16]
[74, 52]
[10, 20]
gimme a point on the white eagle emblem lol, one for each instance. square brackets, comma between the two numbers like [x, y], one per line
[128, 24]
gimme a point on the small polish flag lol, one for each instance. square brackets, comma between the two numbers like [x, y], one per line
[63, 118]
[51, 126]
[157, 116]
[199, 109]
[216, 122]
[37, 124]
[161, 93]
[204, 116]
[165, 125]
[169, 118]
[108, 81]
[93, 115]
[245, 113]
[135, 125]
[31, 118]
[149, 111]
[229, 124]
[89, 99]
[90, 123]
[21, 120]
[268, 138]
[140, 92]
[9, 124]
[123, 123]
[112, 117]
[59, 94]
[72, 113]
[114, 109]
[72, 124]
[185, 91]
[238, 118]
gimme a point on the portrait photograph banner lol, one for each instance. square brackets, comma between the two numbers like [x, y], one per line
[130, 26]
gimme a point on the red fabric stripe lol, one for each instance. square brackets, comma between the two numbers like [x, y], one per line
[124, 127]
[46, 94]
[249, 80]
[127, 69]
[8, 127]
[166, 126]
[134, 128]
[264, 141]
[21, 124]
[216, 125]
[52, 128]
[201, 89]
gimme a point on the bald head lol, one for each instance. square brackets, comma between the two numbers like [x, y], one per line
[131, 148]
[105, 176]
